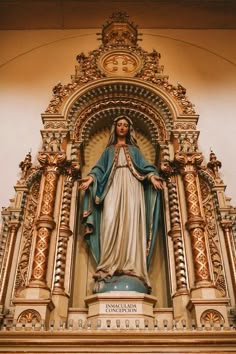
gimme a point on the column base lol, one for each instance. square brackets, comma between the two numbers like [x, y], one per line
[29, 310]
[209, 311]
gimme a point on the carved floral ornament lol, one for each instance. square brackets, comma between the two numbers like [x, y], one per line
[119, 56]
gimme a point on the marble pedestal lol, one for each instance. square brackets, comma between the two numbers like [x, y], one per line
[122, 309]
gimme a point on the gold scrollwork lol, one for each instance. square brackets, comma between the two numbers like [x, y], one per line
[40, 258]
[200, 257]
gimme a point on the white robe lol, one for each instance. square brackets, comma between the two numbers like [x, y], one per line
[123, 226]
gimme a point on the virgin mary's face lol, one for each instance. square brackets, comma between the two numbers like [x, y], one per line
[122, 128]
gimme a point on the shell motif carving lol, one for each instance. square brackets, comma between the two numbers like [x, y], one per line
[29, 316]
[212, 316]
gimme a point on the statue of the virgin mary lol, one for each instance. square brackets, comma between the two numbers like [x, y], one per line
[121, 209]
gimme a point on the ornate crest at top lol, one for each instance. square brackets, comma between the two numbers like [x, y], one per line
[119, 30]
[119, 56]
[119, 36]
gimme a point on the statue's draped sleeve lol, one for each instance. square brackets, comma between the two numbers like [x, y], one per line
[102, 174]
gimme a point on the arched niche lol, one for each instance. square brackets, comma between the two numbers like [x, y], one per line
[89, 118]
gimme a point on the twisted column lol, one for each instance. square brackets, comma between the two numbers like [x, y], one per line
[196, 226]
[45, 224]
[64, 234]
[176, 235]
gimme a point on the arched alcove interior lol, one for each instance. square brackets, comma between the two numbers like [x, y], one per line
[90, 116]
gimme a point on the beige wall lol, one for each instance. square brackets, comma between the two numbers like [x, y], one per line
[32, 62]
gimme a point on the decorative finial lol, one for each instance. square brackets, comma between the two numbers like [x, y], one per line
[214, 164]
[118, 31]
[25, 165]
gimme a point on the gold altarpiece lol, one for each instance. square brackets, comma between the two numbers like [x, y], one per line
[46, 269]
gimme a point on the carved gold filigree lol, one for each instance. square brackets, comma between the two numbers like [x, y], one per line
[185, 126]
[60, 92]
[55, 125]
[201, 265]
[29, 316]
[49, 194]
[212, 316]
[27, 232]
[52, 162]
[188, 168]
[119, 55]
[90, 114]
[213, 240]
[205, 190]
[192, 194]
[49, 159]
[150, 73]
[41, 254]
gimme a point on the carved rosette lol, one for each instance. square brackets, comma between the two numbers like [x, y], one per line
[51, 162]
[188, 168]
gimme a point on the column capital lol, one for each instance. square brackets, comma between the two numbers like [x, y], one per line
[51, 159]
[226, 224]
[188, 162]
